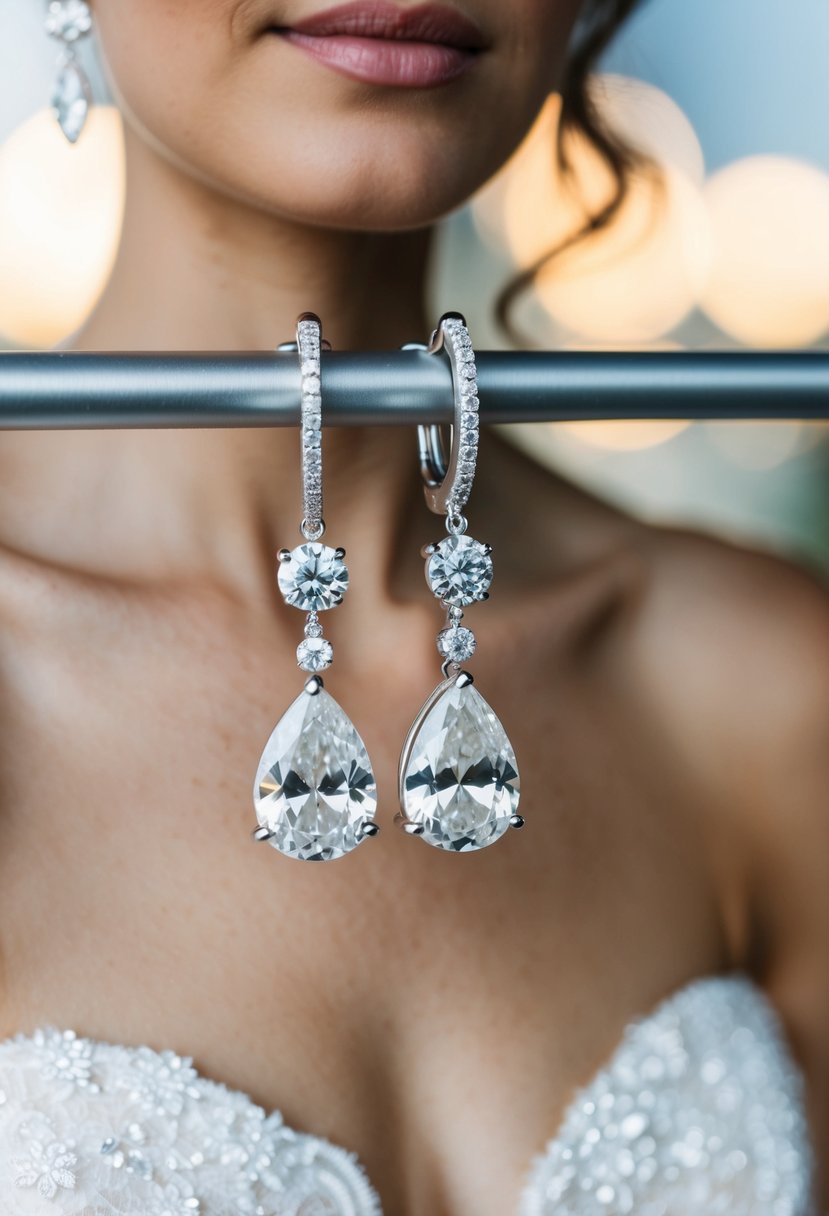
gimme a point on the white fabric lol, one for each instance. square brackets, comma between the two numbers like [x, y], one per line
[698, 1111]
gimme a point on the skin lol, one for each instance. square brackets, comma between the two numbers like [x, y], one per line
[667, 693]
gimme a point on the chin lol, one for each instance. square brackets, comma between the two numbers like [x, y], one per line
[377, 194]
[361, 180]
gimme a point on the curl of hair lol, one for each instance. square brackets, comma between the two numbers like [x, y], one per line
[599, 21]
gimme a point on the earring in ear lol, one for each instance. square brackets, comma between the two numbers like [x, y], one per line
[68, 21]
[315, 794]
[458, 778]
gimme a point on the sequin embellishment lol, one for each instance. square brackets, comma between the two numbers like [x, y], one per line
[699, 1111]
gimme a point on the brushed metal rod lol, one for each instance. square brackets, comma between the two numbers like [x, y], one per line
[70, 390]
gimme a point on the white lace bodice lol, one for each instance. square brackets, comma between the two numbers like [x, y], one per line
[698, 1111]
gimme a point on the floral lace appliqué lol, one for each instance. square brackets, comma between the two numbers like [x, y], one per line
[47, 1166]
[700, 1110]
[90, 1128]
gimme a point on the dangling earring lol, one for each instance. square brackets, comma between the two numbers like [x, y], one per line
[315, 794]
[458, 779]
[69, 21]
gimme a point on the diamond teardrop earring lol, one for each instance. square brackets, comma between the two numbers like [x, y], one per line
[458, 779]
[315, 794]
[68, 21]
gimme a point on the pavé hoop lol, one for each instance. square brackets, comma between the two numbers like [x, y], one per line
[448, 482]
[309, 344]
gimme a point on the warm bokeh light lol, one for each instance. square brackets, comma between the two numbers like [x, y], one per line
[60, 215]
[640, 277]
[651, 121]
[622, 435]
[769, 280]
[646, 117]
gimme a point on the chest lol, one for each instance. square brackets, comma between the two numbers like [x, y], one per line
[396, 1001]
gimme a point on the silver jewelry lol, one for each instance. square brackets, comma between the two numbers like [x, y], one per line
[68, 21]
[458, 779]
[315, 794]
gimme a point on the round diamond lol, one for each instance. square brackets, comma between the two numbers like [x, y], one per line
[314, 654]
[313, 577]
[459, 571]
[457, 644]
[313, 628]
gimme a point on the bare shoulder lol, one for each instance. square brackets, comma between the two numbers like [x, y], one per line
[731, 643]
[732, 646]
[741, 629]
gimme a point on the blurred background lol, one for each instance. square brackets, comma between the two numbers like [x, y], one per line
[732, 253]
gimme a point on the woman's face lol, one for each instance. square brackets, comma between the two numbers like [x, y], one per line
[252, 112]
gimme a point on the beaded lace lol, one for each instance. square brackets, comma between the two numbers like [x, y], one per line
[698, 1111]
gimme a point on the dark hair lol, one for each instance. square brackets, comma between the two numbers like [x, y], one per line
[598, 23]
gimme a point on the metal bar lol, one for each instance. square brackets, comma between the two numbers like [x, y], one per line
[70, 390]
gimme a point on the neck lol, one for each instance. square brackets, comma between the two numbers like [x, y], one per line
[197, 270]
[200, 270]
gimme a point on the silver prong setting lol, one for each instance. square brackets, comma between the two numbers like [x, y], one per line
[516, 821]
[464, 679]
[428, 550]
[370, 829]
[410, 828]
[261, 833]
[284, 555]
[339, 552]
[314, 685]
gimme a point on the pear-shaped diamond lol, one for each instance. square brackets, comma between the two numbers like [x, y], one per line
[71, 99]
[315, 789]
[458, 775]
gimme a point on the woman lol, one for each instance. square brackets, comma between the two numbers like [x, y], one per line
[658, 933]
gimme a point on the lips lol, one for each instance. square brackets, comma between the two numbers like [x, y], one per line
[378, 43]
[434, 23]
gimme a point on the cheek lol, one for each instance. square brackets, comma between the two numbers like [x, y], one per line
[259, 121]
[165, 61]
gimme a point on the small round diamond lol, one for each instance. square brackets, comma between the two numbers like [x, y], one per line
[457, 644]
[460, 570]
[314, 654]
[313, 577]
[313, 628]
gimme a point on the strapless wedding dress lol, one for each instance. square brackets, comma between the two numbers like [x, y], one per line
[699, 1110]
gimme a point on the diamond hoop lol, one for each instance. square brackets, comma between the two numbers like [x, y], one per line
[448, 482]
[309, 344]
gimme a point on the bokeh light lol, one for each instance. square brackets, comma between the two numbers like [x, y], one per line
[623, 434]
[60, 216]
[769, 280]
[641, 276]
